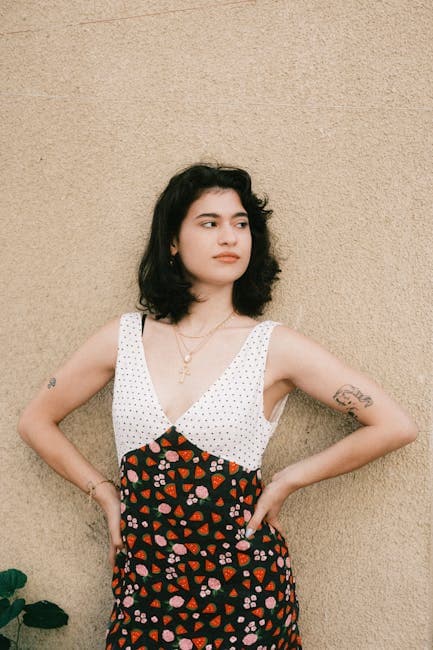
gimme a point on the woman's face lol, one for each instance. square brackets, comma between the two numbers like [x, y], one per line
[215, 223]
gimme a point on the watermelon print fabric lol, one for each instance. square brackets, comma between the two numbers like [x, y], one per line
[190, 579]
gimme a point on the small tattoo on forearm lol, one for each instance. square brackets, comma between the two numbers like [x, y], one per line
[51, 383]
[352, 397]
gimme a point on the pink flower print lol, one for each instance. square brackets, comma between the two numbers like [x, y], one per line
[249, 639]
[159, 479]
[154, 446]
[142, 570]
[251, 627]
[179, 549]
[122, 507]
[132, 475]
[259, 555]
[165, 508]
[270, 602]
[225, 558]
[247, 515]
[139, 616]
[172, 456]
[176, 601]
[280, 561]
[185, 644]
[204, 591]
[160, 540]
[132, 521]
[250, 601]
[128, 601]
[170, 573]
[191, 499]
[214, 583]
[216, 464]
[288, 620]
[167, 635]
[201, 491]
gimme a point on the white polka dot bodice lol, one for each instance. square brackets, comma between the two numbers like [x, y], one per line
[227, 420]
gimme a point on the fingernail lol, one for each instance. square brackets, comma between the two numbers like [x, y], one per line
[249, 532]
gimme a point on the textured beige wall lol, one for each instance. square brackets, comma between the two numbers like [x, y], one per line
[329, 106]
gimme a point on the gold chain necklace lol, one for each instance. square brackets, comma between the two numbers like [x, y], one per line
[189, 336]
[186, 358]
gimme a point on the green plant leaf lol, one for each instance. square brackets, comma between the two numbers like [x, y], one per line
[4, 604]
[10, 581]
[5, 643]
[12, 611]
[44, 614]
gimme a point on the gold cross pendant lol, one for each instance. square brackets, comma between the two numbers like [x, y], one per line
[184, 371]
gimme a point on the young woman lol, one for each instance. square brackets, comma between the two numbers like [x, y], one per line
[198, 556]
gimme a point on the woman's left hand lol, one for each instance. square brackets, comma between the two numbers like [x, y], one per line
[271, 500]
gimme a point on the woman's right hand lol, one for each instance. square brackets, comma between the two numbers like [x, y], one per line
[116, 543]
[109, 500]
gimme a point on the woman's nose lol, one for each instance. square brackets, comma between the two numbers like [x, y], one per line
[227, 234]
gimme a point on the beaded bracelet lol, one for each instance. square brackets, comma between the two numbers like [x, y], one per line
[92, 486]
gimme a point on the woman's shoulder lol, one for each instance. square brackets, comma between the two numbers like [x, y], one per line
[287, 346]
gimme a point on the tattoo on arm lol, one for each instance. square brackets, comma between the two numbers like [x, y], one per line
[51, 383]
[352, 398]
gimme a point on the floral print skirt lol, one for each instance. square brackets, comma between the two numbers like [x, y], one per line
[190, 579]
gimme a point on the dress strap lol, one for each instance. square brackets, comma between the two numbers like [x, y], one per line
[260, 361]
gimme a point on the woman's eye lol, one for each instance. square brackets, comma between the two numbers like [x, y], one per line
[244, 224]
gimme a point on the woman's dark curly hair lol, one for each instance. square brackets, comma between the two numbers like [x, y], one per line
[164, 290]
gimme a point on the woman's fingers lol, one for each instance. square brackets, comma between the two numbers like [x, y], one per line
[113, 552]
[256, 519]
[275, 523]
[116, 541]
[268, 506]
[114, 529]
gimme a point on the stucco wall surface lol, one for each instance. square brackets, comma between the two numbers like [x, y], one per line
[329, 106]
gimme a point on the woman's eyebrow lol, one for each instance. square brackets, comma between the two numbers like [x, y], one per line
[214, 214]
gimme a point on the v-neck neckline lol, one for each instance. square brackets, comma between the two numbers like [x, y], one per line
[208, 389]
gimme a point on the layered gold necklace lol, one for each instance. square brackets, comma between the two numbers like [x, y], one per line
[187, 354]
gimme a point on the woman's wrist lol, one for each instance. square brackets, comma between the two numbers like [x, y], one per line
[289, 478]
[106, 495]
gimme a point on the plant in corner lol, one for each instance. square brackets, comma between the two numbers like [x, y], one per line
[41, 614]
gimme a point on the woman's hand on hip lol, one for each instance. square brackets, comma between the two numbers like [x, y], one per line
[112, 514]
[270, 502]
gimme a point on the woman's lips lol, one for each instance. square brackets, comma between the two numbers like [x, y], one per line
[227, 258]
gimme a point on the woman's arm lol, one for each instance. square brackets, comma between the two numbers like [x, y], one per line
[89, 369]
[320, 374]
[316, 371]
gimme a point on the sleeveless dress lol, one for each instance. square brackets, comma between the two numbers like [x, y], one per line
[190, 579]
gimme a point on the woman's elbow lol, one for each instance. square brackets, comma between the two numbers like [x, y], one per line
[24, 425]
[410, 432]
